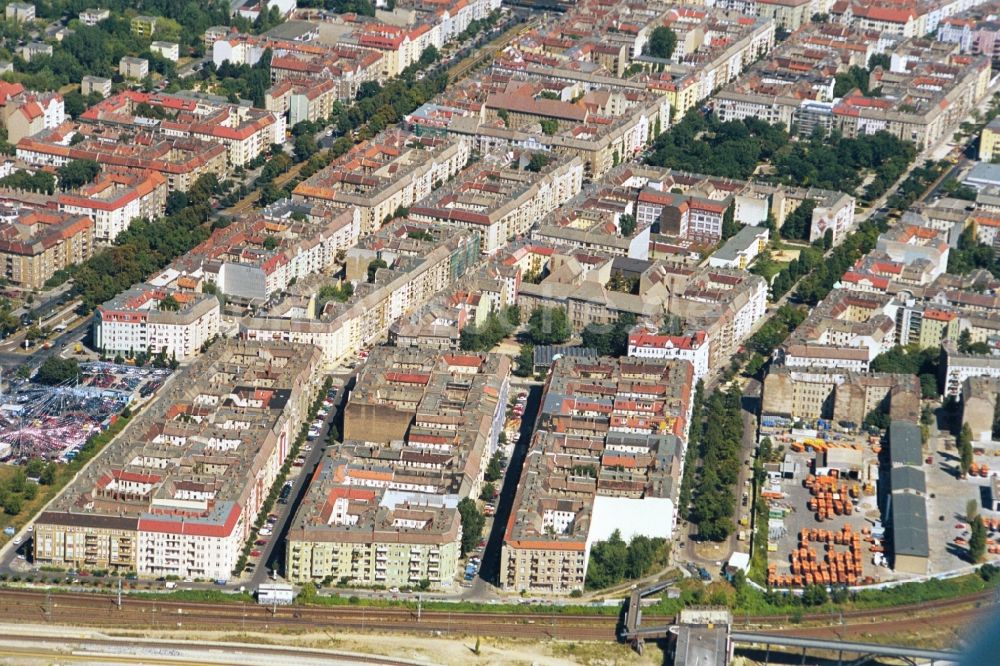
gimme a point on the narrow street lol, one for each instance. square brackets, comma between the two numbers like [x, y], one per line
[489, 571]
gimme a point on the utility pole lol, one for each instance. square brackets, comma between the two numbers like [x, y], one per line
[419, 604]
[119, 592]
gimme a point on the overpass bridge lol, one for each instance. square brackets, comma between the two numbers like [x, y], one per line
[705, 635]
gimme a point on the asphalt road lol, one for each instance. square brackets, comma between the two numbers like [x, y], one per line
[272, 556]
[489, 571]
[11, 360]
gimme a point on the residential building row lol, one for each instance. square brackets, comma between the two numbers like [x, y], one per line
[420, 427]
[156, 320]
[602, 126]
[258, 256]
[723, 305]
[245, 132]
[386, 174]
[845, 397]
[439, 323]
[112, 201]
[503, 195]
[419, 260]
[596, 44]
[928, 89]
[178, 491]
[680, 205]
[607, 454]
[116, 198]
[845, 331]
[350, 48]
[181, 160]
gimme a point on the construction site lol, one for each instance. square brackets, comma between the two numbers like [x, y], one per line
[54, 422]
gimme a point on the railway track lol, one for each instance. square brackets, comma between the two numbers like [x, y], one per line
[101, 610]
[94, 610]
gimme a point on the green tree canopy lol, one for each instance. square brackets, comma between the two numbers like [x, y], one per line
[662, 42]
[56, 370]
[373, 267]
[548, 326]
[472, 524]
[977, 540]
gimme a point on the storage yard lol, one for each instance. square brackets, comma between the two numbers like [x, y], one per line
[54, 422]
[823, 521]
[830, 503]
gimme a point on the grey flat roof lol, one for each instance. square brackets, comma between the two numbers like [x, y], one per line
[909, 525]
[291, 30]
[545, 355]
[701, 646]
[984, 172]
[908, 478]
[743, 239]
[905, 443]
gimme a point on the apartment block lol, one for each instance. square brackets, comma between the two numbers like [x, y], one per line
[394, 170]
[598, 43]
[439, 323]
[91, 17]
[453, 16]
[844, 396]
[913, 244]
[302, 99]
[419, 429]
[155, 320]
[38, 243]
[33, 50]
[602, 220]
[989, 140]
[979, 399]
[133, 68]
[24, 112]
[177, 493]
[604, 127]
[502, 196]
[181, 160]
[957, 367]
[421, 262]
[116, 199]
[929, 88]
[143, 25]
[95, 84]
[724, 304]
[646, 342]
[168, 50]
[260, 255]
[19, 12]
[399, 40]
[346, 66]
[846, 331]
[607, 454]
[246, 132]
[691, 206]
[740, 250]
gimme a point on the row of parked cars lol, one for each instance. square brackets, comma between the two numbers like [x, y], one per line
[471, 569]
[316, 427]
